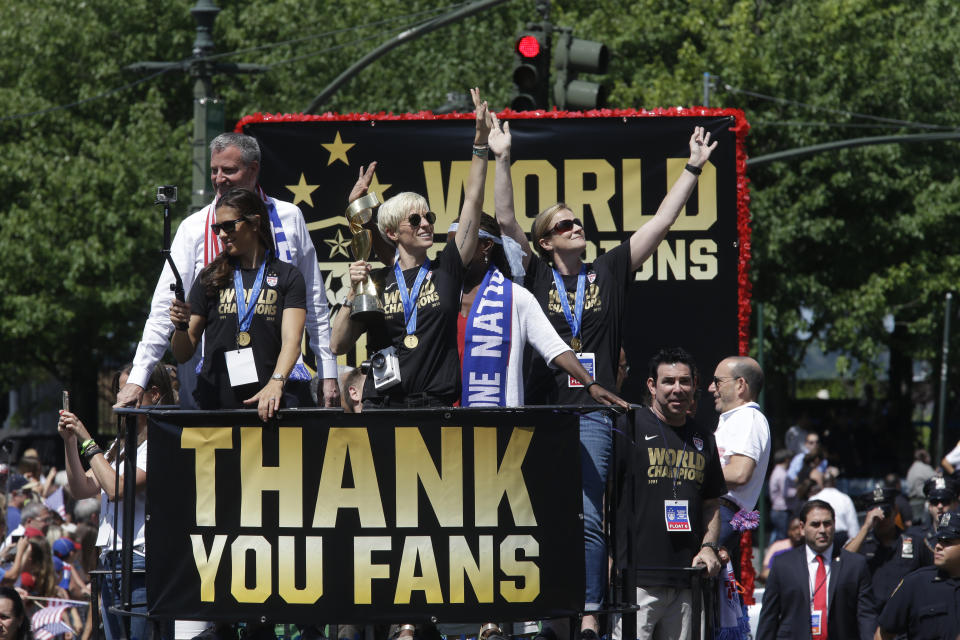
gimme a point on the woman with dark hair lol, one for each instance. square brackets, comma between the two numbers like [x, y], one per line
[104, 478]
[14, 624]
[585, 303]
[250, 308]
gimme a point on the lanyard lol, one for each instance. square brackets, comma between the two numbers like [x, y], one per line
[245, 311]
[409, 300]
[676, 471]
[573, 319]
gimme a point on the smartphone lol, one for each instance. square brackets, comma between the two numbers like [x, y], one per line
[66, 401]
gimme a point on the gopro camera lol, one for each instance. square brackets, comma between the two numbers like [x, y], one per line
[385, 367]
[166, 194]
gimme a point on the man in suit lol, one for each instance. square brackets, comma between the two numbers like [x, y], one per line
[816, 590]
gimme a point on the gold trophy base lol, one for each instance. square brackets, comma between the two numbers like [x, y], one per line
[366, 304]
[366, 307]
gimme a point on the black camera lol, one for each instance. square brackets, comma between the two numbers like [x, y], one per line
[166, 194]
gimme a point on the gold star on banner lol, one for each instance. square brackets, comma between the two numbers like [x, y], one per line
[338, 150]
[338, 245]
[377, 188]
[302, 190]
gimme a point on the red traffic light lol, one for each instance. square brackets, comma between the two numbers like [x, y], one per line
[528, 46]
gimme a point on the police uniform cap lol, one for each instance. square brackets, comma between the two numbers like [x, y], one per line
[948, 528]
[879, 496]
[940, 488]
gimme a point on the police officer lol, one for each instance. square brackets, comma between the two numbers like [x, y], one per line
[890, 554]
[941, 494]
[925, 603]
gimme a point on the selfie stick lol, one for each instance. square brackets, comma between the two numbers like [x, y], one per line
[166, 195]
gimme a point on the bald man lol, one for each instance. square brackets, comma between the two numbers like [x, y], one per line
[743, 441]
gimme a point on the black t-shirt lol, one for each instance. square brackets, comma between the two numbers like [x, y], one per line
[655, 462]
[283, 287]
[601, 329]
[433, 366]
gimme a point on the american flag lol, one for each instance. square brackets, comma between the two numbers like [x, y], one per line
[54, 502]
[47, 623]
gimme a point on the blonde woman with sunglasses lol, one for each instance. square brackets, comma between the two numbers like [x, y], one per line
[420, 295]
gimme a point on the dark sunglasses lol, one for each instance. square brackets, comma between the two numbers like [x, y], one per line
[416, 218]
[228, 225]
[939, 501]
[566, 225]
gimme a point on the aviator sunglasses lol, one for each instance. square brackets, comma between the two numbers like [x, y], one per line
[416, 218]
[227, 225]
[566, 225]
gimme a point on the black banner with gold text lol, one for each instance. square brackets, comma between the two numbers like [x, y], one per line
[612, 168]
[458, 514]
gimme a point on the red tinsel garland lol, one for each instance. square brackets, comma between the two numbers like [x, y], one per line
[747, 574]
[740, 128]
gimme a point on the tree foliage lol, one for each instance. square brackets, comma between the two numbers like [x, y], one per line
[841, 239]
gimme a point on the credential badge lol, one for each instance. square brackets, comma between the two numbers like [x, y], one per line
[698, 443]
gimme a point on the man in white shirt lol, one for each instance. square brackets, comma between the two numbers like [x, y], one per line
[743, 442]
[234, 162]
[847, 520]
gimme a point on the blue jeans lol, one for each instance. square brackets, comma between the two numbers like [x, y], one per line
[778, 521]
[113, 624]
[596, 441]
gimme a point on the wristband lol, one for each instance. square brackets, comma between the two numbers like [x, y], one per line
[86, 444]
[712, 545]
[90, 452]
[587, 386]
[694, 170]
[481, 152]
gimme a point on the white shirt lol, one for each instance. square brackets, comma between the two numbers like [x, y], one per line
[528, 324]
[843, 508]
[186, 249]
[744, 431]
[105, 534]
[954, 456]
[812, 566]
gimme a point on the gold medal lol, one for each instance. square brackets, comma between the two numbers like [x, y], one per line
[411, 341]
[575, 343]
[243, 339]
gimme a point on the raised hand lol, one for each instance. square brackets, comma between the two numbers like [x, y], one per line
[700, 147]
[499, 139]
[483, 121]
[363, 182]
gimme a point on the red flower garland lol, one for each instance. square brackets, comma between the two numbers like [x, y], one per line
[747, 573]
[740, 128]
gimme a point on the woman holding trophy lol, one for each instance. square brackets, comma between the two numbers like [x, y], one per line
[414, 346]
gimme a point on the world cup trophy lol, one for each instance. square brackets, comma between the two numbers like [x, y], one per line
[366, 304]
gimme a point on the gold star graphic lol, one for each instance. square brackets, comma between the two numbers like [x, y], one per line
[378, 188]
[302, 190]
[338, 245]
[338, 150]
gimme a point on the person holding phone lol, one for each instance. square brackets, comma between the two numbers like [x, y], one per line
[101, 479]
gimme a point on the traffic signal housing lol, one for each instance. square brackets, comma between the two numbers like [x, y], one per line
[576, 55]
[531, 74]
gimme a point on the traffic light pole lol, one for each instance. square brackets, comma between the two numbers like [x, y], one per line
[402, 38]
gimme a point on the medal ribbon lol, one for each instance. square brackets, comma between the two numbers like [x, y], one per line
[245, 311]
[486, 343]
[573, 319]
[409, 299]
[676, 470]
